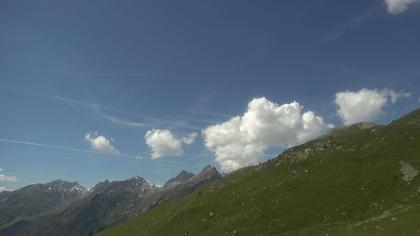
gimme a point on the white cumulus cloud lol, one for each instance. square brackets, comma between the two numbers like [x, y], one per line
[5, 178]
[398, 6]
[190, 138]
[243, 140]
[100, 143]
[395, 96]
[365, 105]
[164, 143]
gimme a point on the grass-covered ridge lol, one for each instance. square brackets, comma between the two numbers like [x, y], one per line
[348, 182]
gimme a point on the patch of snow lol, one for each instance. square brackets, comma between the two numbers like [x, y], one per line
[150, 184]
[77, 188]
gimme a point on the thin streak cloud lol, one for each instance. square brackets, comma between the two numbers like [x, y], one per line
[112, 75]
[207, 113]
[95, 106]
[100, 110]
[59, 147]
[80, 150]
[349, 25]
[57, 98]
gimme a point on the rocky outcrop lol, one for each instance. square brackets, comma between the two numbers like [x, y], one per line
[408, 171]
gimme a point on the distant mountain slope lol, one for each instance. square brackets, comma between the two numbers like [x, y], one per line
[181, 177]
[106, 204]
[35, 200]
[174, 189]
[357, 180]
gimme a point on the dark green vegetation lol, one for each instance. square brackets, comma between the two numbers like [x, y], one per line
[358, 180]
[43, 212]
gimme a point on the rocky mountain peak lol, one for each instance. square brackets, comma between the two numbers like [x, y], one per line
[137, 179]
[101, 185]
[66, 187]
[209, 170]
[180, 178]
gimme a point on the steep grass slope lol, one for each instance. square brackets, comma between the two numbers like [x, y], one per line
[358, 180]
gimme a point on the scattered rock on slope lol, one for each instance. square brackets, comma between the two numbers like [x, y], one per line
[408, 171]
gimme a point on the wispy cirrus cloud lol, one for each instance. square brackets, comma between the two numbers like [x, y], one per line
[207, 113]
[394, 7]
[72, 149]
[106, 112]
[109, 74]
[349, 25]
[146, 121]
[63, 148]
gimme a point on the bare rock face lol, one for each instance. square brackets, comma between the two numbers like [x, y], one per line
[408, 171]
[364, 125]
[175, 188]
[180, 178]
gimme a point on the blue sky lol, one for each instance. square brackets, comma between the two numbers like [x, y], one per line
[83, 83]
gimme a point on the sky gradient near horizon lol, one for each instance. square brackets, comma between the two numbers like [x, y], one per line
[95, 90]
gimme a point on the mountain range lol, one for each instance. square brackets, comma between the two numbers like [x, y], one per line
[63, 208]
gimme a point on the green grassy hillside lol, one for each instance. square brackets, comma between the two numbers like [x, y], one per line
[359, 180]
